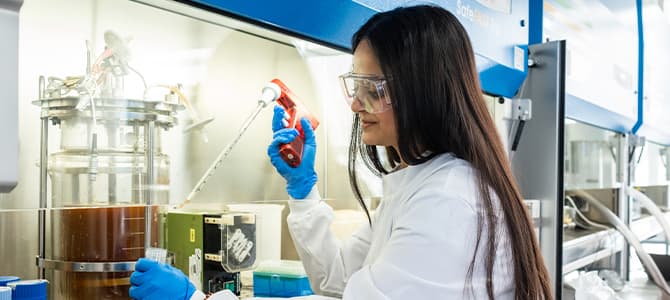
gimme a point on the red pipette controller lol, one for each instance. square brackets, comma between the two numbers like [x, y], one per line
[291, 153]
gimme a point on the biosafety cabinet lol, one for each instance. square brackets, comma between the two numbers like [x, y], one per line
[125, 106]
[615, 143]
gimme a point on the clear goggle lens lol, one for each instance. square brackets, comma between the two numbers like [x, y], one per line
[369, 90]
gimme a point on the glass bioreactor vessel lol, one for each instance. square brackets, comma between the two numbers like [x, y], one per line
[108, 177]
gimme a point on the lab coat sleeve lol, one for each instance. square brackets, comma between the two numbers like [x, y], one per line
[428, 253]
[328, 263]
[220, 295]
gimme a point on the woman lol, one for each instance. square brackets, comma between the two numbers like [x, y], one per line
[452, 223]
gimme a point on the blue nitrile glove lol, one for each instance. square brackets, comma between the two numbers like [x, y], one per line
[152, 280]
[301, 179]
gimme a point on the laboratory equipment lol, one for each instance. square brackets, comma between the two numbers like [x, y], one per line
[108, 178]
[291, 153]
[281, 278]
[212, 247]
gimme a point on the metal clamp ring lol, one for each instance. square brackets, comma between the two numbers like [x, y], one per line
[72, 266]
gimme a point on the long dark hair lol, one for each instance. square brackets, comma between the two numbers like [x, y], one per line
[439, 108]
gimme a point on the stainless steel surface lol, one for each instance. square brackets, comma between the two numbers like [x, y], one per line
[538, 162]
[73, 266]
[9, 98]
[113, 109]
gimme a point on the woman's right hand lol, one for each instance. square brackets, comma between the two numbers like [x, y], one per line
[301, 179]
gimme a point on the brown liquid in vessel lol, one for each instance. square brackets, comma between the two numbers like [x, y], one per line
[105, 234]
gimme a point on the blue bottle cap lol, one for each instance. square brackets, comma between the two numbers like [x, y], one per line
[29, 289]
[5, 293]
[4, 280]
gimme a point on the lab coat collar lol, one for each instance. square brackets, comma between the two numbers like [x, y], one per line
[399, 178]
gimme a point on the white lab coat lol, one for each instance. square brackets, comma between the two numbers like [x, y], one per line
[419, 247]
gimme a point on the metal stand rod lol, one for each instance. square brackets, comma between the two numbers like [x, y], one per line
[137, 195]
[624, 204]
[41, 222]
[151, 181]
[111, 177]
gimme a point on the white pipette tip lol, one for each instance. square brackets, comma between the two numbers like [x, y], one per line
[270, 93]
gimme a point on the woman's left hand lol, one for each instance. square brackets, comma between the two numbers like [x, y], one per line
[152, 280]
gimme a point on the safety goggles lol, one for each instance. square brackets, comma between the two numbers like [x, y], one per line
[369, 90]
